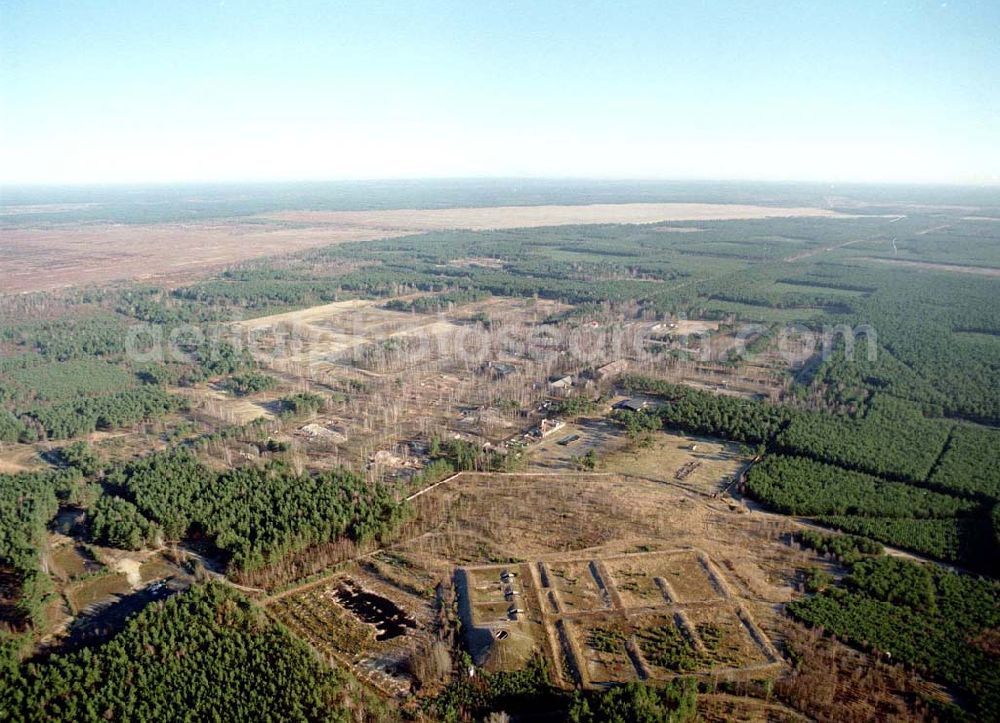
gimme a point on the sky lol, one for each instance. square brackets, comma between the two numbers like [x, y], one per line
[826, 90]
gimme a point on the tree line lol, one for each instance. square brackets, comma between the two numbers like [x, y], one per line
[699, 412]
[799, 486]
[255, 515]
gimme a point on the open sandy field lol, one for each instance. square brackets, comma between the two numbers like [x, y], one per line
[55, 256]
[700, 464]
[314, 339]
[221, 406]
[527, 216]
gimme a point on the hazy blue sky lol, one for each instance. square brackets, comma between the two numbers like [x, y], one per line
[142, 90]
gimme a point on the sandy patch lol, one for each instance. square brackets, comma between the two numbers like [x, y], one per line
[130, 569]
[10, 467]
[305, 316]
[224, 407]
[684, 327]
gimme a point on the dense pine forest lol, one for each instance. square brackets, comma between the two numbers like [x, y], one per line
[255, 515]
[204, 654]
[935, 621]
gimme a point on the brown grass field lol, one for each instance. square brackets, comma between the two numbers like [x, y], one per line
[16, 458]
[55, 256]
[641, 560]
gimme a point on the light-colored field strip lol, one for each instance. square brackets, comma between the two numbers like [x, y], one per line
[496, 217]
[932, 266]
[305, 316]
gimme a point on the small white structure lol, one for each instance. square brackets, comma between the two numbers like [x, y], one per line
[561, 384]
[548, 426]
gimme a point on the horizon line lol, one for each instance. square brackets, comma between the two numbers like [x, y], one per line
[951, 183]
